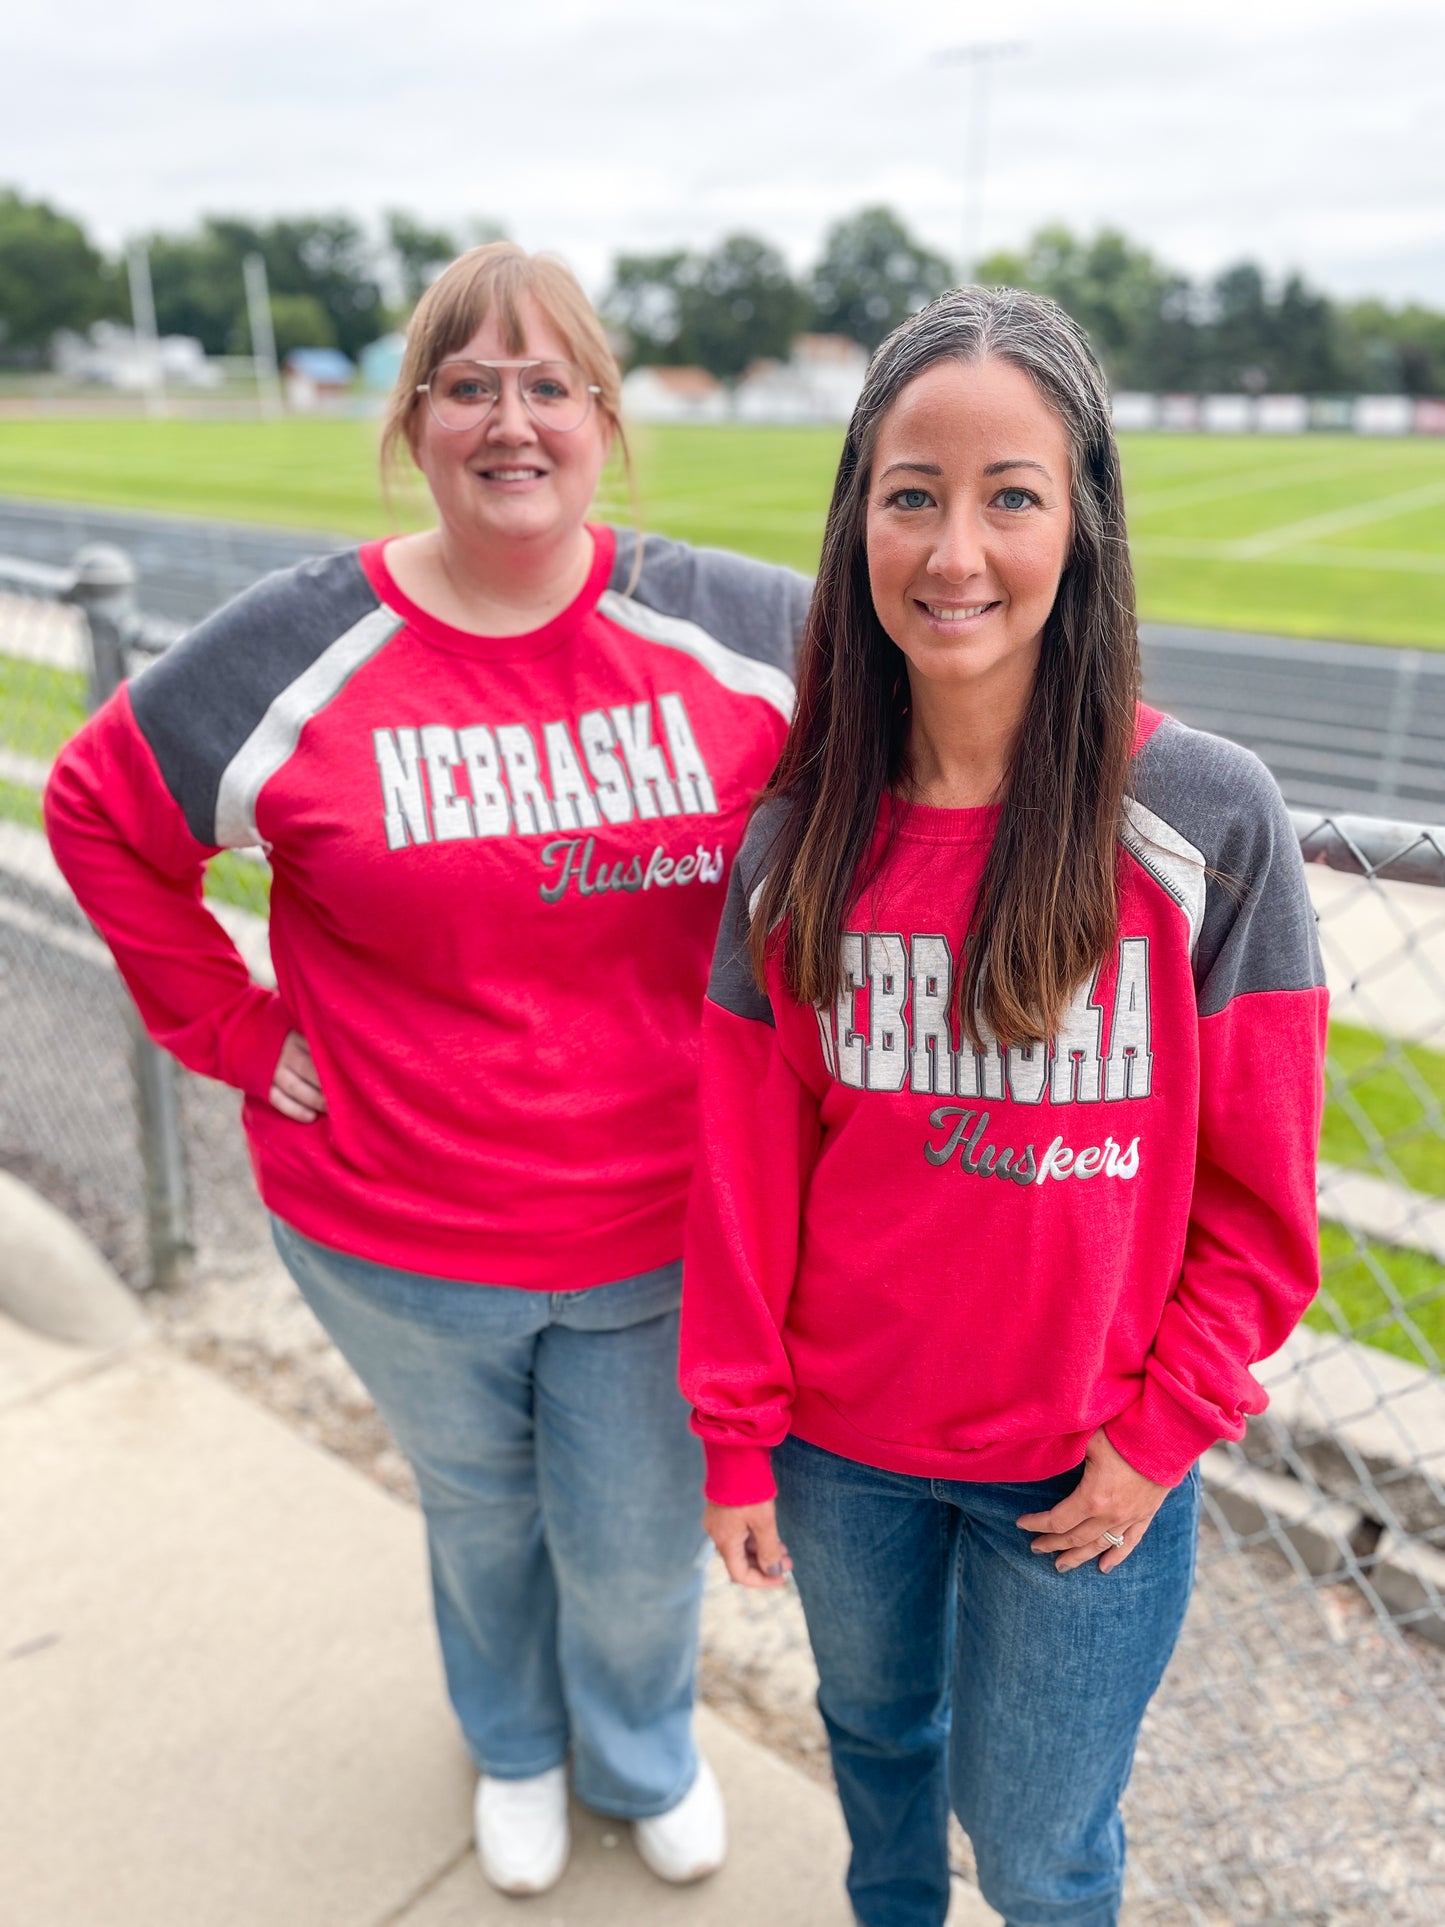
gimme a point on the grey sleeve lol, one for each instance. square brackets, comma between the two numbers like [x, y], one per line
[1257, 931]
[756, 608]
[203, 699]
[732, 984]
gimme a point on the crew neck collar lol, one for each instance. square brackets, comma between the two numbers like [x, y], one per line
[466, 642]
[924, 823]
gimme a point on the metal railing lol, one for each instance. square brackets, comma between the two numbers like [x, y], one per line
[101, 587]
[1292, 1768]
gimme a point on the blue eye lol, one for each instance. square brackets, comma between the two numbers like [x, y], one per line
[912, 498]
[1013, 499]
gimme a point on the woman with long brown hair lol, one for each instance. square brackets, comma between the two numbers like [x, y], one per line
[1011, 1089]
[500, 767]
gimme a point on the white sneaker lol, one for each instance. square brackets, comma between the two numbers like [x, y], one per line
[523, 1837]
[690, 1839]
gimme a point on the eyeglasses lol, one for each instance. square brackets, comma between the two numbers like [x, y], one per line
[556, 394]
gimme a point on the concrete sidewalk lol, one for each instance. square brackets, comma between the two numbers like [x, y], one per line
[221, 1706]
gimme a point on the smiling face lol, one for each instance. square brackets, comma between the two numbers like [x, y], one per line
[509, 479]
[968, 527]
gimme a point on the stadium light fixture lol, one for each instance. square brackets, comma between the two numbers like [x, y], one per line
[979, 56]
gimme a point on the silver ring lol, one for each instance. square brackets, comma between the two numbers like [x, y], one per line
[1114, 1538]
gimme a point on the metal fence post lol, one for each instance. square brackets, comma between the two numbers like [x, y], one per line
[104, 590]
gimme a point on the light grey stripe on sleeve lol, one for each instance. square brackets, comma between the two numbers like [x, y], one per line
[273, 741]
[1171, 859]
[741, 674]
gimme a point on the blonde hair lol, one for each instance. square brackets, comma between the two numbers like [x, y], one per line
[496, 280]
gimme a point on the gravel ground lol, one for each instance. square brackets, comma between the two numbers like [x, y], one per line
[1292, 1769]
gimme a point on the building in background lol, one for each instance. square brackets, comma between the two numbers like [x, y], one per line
[381, 363]
[113, 356]
[819, 382]
[315, 376]
[674, 395]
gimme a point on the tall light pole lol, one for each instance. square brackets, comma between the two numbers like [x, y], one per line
[263, 336]
[979, 57]
[143, 324]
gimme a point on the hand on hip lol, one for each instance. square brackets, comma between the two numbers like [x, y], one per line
[295, 1088]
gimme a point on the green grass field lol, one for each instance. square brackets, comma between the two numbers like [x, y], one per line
[1386, 1098]
[1384, 1296]
[1383, 1097]
[1310, 536]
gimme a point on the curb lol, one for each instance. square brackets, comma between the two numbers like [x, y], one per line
[52, 1278]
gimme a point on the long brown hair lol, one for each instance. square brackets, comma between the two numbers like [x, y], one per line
[1047, 909]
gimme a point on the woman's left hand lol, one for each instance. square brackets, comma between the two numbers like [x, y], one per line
[1111, 1497]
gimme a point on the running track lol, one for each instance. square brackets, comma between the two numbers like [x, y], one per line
[1343, 726]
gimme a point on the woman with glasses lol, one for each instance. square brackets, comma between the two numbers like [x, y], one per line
[500, 769]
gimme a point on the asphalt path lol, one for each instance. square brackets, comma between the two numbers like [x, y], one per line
[1344, 726]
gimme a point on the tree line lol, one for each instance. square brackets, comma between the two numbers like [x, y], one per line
[332, 284]
[1153, 327]
[335, 285]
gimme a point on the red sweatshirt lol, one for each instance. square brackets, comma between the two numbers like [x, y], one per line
[499, 865]
[960, 1264]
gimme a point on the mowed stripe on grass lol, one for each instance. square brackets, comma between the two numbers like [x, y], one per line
[1330, 536]
[1338, 536]
[1388, 508]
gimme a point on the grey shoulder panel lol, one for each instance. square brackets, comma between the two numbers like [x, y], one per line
[1255, 924]
[755, 608]
[755, 855]
[732, 985]
[202, 706]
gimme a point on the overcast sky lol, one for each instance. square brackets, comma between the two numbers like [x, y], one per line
[1306, 136]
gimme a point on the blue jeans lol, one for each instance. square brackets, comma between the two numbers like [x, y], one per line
[956, 1666]
[561, 1489]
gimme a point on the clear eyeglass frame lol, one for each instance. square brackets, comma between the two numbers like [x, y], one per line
[479, 415]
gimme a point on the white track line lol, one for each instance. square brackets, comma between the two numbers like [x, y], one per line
[1408, 561]
[1237, 482]
[1294, 534]
[1187, 548]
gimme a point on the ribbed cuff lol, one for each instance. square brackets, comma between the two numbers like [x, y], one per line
[1160, 1438]
[738, 1474]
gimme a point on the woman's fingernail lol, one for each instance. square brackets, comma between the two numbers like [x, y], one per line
[774, 1571]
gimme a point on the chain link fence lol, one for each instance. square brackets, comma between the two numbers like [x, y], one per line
[1292, 1769]
[68, 639]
